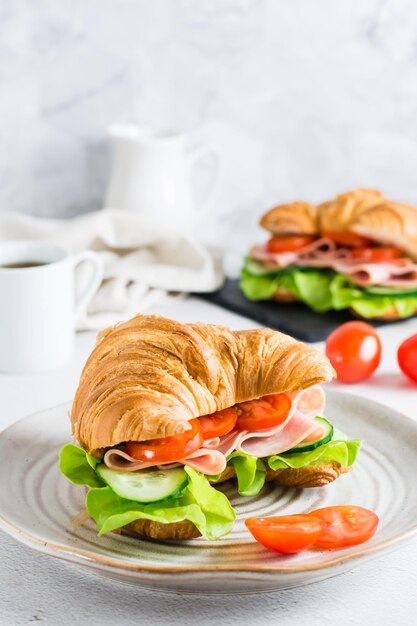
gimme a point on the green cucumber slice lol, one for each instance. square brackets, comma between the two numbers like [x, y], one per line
[148, 485]
[257, 268]
[312, 445]
[390, 291]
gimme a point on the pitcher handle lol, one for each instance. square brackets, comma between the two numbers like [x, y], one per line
[95, 281]
[197, 154]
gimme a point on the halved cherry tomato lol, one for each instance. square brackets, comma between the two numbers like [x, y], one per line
[288, 243]
[377, 254]
[351, 240]
[287, 534]
[354, 350]
[265, 412]
[407, 357]
[345, 525]
[168, 449]
[219, 423]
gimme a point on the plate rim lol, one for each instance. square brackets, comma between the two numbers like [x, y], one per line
[94, 559]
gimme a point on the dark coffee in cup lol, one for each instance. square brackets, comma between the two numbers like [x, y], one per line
[21, 264]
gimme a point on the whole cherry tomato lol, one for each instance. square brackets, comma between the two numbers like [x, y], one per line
[354, 350]
[407, 357]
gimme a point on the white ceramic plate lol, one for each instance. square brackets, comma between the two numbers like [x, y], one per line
[37, 504]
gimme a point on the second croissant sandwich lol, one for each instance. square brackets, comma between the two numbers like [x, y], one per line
[165, 411]
[356, 252]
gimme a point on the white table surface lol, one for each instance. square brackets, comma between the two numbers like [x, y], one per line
[36, 588]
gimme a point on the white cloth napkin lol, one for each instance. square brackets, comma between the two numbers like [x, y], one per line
[144, 261]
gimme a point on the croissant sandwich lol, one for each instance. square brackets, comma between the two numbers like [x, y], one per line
[166, 411]
[356, 252]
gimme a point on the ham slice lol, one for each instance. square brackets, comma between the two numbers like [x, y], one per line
[399, 273]
[319, 253]
[210, 459]
[263, 443]
[298, 426]
[210, 462]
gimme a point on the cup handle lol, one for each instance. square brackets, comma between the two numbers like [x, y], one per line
[89, 292]
[195, 155]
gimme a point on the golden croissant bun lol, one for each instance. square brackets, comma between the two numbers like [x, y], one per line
[392, 223]
[293, 218]
[363, 211]
[313, 475]
[340, 213]
[147, 377]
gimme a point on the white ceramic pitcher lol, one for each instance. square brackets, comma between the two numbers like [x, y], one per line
[152, 174]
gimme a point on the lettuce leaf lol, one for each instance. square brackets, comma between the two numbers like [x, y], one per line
[340, 450]
[77, 466]
[200, 503]
[323, 290]
[250, 473]
[310, 286]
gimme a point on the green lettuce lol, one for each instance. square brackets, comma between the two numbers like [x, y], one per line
[250, 473]
[339, 450]
[78, 466]
[323, 290]
[199, 502]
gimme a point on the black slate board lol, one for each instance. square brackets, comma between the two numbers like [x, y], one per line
[295, 319]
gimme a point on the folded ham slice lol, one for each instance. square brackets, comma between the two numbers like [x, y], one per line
[211, 457]
[399, 273]
[317, 254]
[210, 462]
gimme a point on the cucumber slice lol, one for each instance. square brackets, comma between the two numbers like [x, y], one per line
[257, 268]
[150, 485]
[312, 445]
[390, 291]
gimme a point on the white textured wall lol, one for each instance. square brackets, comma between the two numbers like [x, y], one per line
[305, 98]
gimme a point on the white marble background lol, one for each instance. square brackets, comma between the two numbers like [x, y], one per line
[304, 98]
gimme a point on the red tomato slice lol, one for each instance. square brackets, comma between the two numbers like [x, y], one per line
[168, 449]
[407, 357]
[354, 350]
[345, 525]
[288, 243]
[377, 254]
[219, 423]
[265, 412]
[287, 534]
[351, 240]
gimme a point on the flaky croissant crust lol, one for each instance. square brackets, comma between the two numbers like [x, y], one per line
[364, 211]
[147, 377]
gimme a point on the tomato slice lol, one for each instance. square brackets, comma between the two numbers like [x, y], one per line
[377, 254]
[288, 243]
[219, 423]
[168, 449]
[286, 534]
[351, 240]
[345, 525]
[264, 412]
[354, 349]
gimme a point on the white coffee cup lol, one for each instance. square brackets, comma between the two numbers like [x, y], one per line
[38, 307]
